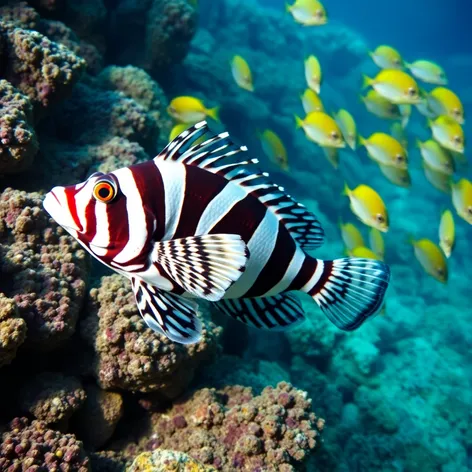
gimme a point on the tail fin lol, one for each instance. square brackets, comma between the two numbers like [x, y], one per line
[366, 81]
[298, 122]
[213, 113]
[349, 290]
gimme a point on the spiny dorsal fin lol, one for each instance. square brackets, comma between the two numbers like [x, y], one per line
[220, 155]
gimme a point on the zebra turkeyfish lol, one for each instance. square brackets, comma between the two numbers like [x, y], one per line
[201, 221]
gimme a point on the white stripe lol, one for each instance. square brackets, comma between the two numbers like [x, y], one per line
[261, 246]
[101, 240]
[174, 176]
[292, 271]
[219, 207]
[137, 230]
[315, 277]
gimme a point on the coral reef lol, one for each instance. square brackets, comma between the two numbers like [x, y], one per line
[32, 446]
[231, 429]
[42, 269]
[130, 356]
[12, 330]
[51, 397]
[18, 142]
[165, 460]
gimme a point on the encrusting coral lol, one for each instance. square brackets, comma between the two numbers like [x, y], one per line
[41, 268]
[34, 447]
[165, 460]
[12, 330]
[129, 355]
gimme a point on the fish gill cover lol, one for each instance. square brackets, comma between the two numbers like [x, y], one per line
[95, 86]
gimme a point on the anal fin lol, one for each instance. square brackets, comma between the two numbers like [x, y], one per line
[167, 314]
[276, 313]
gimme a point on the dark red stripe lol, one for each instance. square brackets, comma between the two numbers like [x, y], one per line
[200, 189]
[117, 226]
[91, 220]
[243, 219]
[70, 193]
[276, 266]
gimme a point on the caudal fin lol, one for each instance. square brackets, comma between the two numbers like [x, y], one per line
[349, 290]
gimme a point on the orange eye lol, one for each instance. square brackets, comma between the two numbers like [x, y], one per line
[104, 191]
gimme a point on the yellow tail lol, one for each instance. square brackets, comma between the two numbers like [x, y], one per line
[346, 190]
[288, 8]
[213, 113]
[298, 122]
[366, 81]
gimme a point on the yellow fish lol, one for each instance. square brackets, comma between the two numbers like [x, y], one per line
[394, 85]
[376, 243]
[242, 73]
[311, 101]
[363, 252]
[385, 150]
[351, 235]
[313, 73]
[428, 72]
[274, 149]
[348, 128]
[380, 106]
[321, 129]
[448, 133]
[332, 154]
[443, 101]
[190, 110]
[176, 130]
[439, 180]
[398, 132]
[387, 57]
[431, 258]
[368, 206]
[447, 233]
[399, 177]
[436, 156]
[462, 199]
[308, 12]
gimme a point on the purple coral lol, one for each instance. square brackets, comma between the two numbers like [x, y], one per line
[20, 13]
[18, 143]
[231, 429]
[129, 355]
[12, 330]
[41, 268]
[34, 447]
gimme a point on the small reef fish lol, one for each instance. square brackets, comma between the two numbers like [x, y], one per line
[398, 177]
[308, 12]
[190, 110]
[428, 72]
[204, 222]
[436, 157]
[405, 112]
[380, 106]
[351, 236]
[313, 73]
[438, 180]
[448, 133]
[368, 206]
[348, 128]
[311, 101]
[443, 101]
[447, 233]
[398, 132]
[365, 252]
[385, 150]
[321, 129]
[394, 85]
[332, 154]
[431, 258]
[462, 199]
[242, 73]
[274, 149]
[377, 243]
[387, 57]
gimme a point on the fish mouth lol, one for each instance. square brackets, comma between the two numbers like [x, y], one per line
[52, 204]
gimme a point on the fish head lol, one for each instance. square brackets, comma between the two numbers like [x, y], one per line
[412, 95]
[458, 115]
[380, 221]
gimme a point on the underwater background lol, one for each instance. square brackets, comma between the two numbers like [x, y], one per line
[85, 385]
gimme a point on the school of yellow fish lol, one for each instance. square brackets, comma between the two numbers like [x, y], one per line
[390, 95]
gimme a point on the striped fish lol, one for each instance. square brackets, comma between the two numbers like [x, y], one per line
[201, 221]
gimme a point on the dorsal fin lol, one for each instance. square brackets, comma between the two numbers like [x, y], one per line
[218, 154]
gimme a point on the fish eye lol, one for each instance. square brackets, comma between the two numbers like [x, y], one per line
[411, 92]
[469, 210]
[399, 158]
[105, 191]
[335, 135]
[457, 139]
[380, 218]
[319, 13]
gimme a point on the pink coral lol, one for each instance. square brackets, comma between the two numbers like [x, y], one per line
[129, 355]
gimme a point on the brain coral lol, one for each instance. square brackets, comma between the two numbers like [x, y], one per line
[41, 268]
[231, 429]
[34, 447]
[129, 355]
[18, 143]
